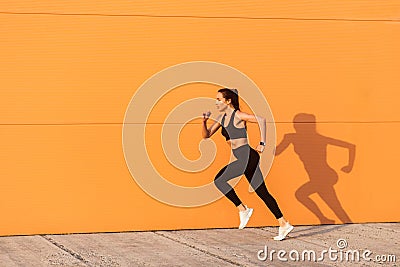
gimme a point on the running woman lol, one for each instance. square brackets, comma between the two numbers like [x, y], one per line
[233, 122]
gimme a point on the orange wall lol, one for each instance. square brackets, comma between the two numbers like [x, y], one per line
[69, 70]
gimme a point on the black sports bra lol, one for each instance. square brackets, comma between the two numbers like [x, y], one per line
[230, 131]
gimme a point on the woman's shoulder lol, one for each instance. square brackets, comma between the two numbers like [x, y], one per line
[243, 115]
[240, 113]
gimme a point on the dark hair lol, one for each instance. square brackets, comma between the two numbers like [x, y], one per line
[231, 94]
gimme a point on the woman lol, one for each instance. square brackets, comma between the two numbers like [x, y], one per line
[233, 123]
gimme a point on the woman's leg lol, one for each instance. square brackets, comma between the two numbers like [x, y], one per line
[257, 182]
[256, 179]
[232, 170]
[221, 183]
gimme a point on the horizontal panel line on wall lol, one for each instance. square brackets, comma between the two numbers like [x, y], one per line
[180, 123]
[198, 17]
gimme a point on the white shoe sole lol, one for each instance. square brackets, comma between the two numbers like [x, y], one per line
[281, 237]
[246, 220]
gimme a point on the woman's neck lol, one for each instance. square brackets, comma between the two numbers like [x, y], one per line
[229, 111]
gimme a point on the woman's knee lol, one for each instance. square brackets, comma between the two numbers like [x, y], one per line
[256, 179]
[218, 181]
[219, 174]
[221, 182]
[261, 190]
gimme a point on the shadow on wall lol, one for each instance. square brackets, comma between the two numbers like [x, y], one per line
[311, 147]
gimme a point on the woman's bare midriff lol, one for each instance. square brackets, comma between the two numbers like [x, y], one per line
[235, 143]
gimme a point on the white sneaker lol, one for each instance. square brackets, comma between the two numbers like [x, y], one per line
[284, 231]
[244, 217]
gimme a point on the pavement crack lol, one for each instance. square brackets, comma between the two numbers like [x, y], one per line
[67, 250]
[198, 249]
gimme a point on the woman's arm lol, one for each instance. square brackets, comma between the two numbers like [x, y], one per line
[261, 123]
[208, 132]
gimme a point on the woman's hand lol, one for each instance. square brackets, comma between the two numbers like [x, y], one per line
[260, 148]
[206, 115]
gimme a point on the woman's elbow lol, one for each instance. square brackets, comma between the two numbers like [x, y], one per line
[206, 135]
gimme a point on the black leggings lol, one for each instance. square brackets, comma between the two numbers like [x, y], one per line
[247, 164]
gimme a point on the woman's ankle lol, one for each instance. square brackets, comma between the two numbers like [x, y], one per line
[282, 221]
[241, 207]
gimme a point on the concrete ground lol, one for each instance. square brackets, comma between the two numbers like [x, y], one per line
[373, 244]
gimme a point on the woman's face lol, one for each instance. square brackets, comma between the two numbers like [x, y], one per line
[221, 103]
